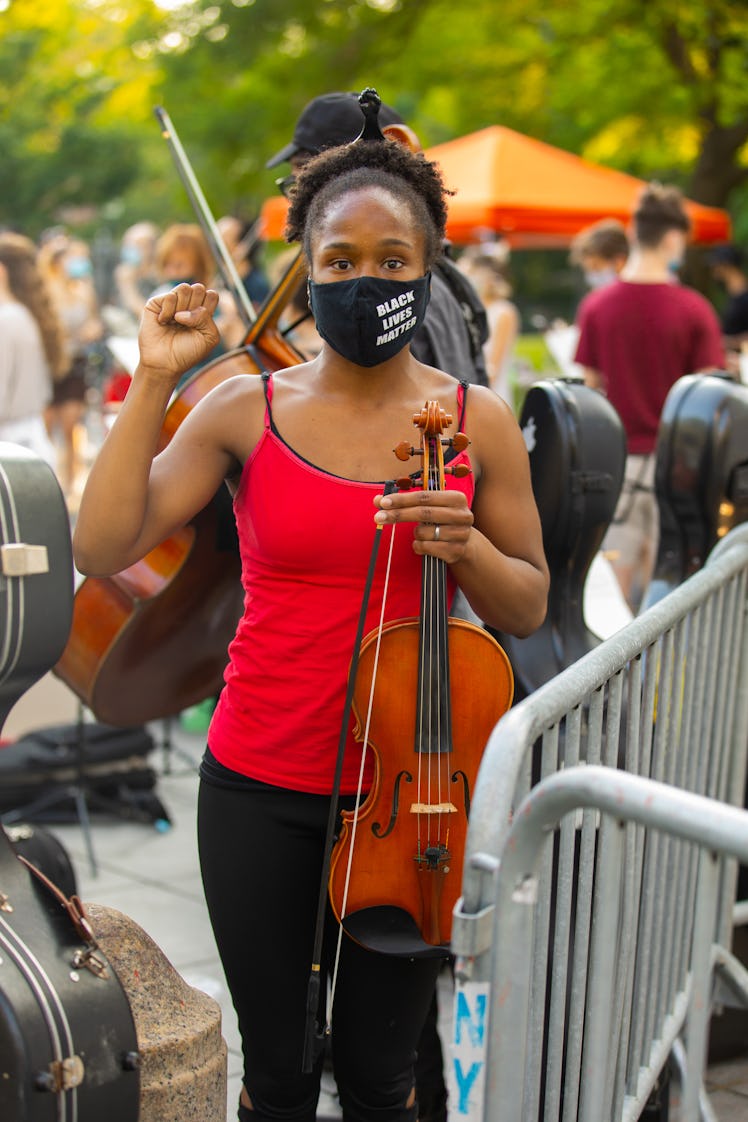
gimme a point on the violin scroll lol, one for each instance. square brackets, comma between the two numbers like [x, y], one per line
[433, 421]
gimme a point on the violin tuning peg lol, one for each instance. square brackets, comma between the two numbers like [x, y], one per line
[459, 442]
[459, 471]
[405, 483]
[404, 450]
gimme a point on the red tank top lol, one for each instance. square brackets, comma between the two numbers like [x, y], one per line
[305, 538]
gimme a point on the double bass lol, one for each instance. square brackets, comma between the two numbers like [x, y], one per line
[152, 640]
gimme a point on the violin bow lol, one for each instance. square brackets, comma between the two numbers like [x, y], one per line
[223, 258]
[313, 1035]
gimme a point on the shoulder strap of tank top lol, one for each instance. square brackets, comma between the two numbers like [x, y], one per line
[462, 392]
[267, 389]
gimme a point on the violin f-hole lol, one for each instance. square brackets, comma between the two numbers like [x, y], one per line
[376, 827]
[465, 789]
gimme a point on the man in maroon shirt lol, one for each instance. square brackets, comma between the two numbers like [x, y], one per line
[638, 336]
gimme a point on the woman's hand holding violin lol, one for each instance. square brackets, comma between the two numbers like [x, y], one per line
[177, 330]
[443, 520]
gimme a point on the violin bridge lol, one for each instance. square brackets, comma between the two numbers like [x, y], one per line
[433, 808]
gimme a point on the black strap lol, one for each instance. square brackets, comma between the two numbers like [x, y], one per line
[630, 488]
[473, 311]
[463, 407]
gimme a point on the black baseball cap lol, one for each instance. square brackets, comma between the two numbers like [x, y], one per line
[326, 122]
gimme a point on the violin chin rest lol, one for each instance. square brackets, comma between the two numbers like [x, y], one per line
[390, 930]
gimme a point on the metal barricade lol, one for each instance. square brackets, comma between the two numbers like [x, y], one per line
[666, 698]
[658, 808]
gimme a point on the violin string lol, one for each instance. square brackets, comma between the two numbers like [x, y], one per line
[421, 712]
[427, 702]
[430, 677]
[439, 688]
[433, 708]
[434, 676]
[359, 788]
[435, 648]
[443, 684]
[435, 485]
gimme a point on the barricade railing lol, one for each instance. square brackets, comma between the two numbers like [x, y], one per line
[712, 827]
[665, 698]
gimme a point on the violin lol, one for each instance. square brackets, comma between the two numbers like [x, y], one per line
[441, 685]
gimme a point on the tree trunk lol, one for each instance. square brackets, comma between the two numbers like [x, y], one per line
[717, 172]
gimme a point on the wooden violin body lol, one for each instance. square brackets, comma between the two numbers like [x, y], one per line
[410, 836]
[152, 640]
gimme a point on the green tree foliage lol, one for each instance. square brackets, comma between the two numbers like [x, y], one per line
[242, 72]
[658, 90]
[69, 138]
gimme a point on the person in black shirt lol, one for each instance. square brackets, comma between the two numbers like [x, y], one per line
[728, 269]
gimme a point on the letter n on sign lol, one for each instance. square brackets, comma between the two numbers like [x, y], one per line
[467, 1068]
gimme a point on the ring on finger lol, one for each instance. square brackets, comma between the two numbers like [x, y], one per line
[437, 533]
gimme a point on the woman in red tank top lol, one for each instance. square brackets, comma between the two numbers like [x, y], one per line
[305, 455]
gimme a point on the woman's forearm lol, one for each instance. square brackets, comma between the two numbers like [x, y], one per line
[508, 593]
[113, 508]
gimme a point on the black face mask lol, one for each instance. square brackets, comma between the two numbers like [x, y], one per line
[368, 320]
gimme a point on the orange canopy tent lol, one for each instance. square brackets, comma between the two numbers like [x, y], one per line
[528, 192]
[513, 185]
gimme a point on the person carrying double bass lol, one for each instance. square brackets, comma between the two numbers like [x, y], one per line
[304, 452]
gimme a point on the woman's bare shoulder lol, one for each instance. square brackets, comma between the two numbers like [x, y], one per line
[239, 387]
[234, 410]
[228, 417]
[485, 409]
[493, 429]
[252, 386]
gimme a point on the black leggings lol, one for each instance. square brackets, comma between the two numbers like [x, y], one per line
[260, 854]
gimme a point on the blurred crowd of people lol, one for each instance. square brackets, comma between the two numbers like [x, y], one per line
[66, 342]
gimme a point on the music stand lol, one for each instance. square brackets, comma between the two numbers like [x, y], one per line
[169, 750]
[81, 791]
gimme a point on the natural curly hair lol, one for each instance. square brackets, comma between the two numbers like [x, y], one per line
[19, 256]
[369, 163]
